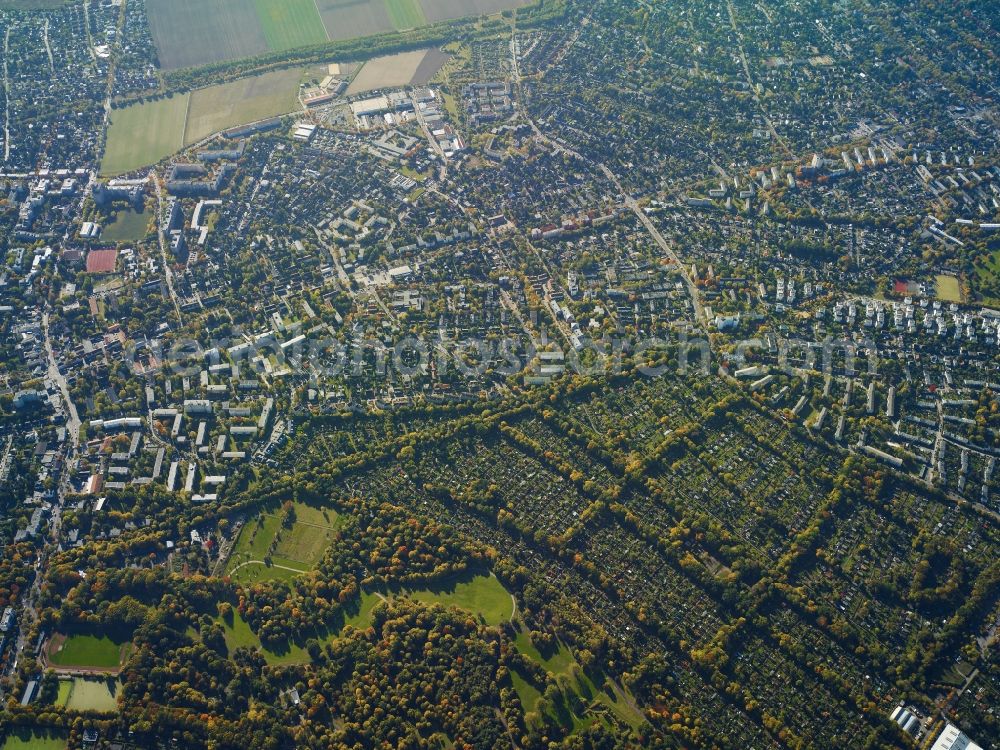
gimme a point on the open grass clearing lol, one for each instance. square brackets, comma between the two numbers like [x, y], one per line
[142, 134]
[238, 634]
[241, 102]
[482, 595]
[268, 549]
[601, 698]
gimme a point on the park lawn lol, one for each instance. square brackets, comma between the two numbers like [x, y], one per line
[297, 549]
[482, 595]
[80, 650]
[562, 664]
[986, 276]
[242, 102]
[239, 634]
[288, 24]
[405, 14]
[526, 692]
[142, 134]
[20, 738]
[128, 226]
[362, 618]
[255, 539]
[948, 288]
[318, 516]
[90, 695]
[255, 572]
[306, 542]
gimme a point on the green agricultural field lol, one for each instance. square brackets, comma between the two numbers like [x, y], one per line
[440, 10]
[80, 694]
[482, 595]
[189, 33]
[948, 288]
[128, 226]
[24, 739]
[143, 134]
[289, 24]
[241, 102]
[87, 651]
[405, 14]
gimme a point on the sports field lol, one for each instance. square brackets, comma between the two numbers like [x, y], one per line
[190, 33]
[80, 694]
[85, 651]
[143, 134]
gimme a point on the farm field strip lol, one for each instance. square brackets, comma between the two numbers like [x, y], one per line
[191, 33]
[405, 14]
[288, 24]
[143, 134]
